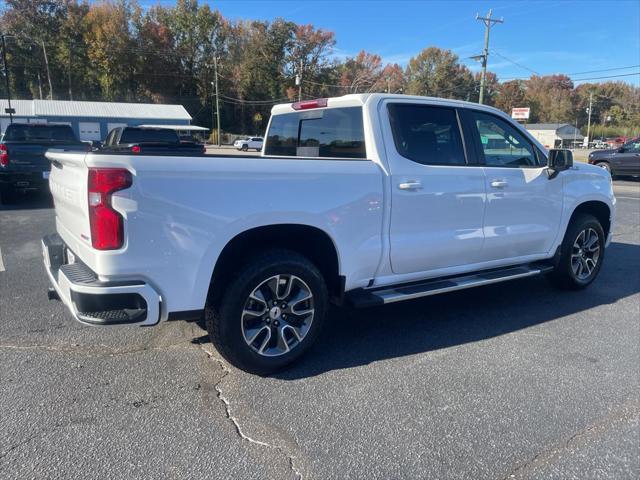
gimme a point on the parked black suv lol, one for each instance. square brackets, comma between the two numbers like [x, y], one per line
[620, 161]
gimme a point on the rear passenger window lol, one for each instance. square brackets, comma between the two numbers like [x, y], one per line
[426, 134]
[331, 133]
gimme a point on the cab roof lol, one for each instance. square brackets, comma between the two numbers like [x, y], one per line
[360, 99]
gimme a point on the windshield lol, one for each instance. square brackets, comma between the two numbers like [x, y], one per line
[38, 133]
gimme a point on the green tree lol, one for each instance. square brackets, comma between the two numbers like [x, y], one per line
[74, 75]
[437, 72]
[29, 24]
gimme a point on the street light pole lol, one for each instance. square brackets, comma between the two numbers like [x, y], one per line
[6, 78]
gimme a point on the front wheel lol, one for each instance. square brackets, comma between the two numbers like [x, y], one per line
[604, 166]
[270, 314]
[581, 254]
[245, 148]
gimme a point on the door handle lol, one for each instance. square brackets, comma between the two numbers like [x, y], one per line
[499, 183]
[410, 185]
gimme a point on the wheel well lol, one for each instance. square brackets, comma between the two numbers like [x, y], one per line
[311, 242]
[598, 209]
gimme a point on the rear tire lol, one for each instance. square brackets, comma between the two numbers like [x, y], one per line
[581, 254]
[271, 312]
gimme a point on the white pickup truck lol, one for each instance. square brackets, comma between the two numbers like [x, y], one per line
[366, 199]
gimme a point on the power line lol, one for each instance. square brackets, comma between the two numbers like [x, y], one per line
[578, 79]
[608, 76]
[256, 102]
[514, 62]
[604, 70]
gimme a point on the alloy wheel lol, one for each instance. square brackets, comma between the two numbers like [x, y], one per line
[585, 253]
[277, 315]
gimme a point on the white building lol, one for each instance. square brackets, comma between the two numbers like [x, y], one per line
[556, 135]
[93, 120]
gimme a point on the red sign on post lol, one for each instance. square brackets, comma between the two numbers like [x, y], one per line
[520, 113]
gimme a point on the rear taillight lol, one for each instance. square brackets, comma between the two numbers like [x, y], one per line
[306, 104]
[136, 149]
[107, 226]
[4, 155]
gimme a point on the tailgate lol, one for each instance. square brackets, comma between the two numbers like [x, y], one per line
[27, 156]
[68, 184]
[30, 156]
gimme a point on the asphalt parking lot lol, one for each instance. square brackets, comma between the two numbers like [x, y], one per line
[514, 380]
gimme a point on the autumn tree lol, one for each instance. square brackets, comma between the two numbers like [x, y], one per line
[551, 98]
[111, 48]
[159, 73]
[309, 54]
[361, 73]
[437, 72]
[115, 50]
[510, 95]
[491, 87]
[392, 79]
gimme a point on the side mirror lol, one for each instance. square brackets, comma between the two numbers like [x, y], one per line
[558, 161]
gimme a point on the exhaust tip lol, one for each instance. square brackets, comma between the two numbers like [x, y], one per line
[52, 294]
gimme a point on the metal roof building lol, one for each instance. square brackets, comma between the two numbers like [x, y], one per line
[93, 120]
[554, 135]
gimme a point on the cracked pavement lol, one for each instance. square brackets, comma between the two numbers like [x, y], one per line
[514, 380]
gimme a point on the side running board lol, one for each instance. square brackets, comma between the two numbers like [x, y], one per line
[399, 293]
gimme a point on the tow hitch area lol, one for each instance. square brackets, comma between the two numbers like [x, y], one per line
[93, 301]
[52, 294]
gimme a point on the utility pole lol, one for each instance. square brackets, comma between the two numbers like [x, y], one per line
[589, 121]
[213, 110]
[40, 85]
[299, 81]
[46, 62]
[215, 73]
[70, 94]
[488, 23]
[6, 79]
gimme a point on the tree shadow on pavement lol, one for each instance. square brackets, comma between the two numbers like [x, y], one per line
[352, 338]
